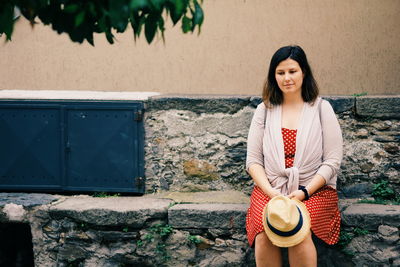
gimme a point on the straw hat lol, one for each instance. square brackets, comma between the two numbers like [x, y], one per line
[286, 221]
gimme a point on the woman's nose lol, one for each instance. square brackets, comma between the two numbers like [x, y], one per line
[287, 77]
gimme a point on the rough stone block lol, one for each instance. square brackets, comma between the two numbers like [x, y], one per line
[378, 106]
[388, 234]
[112, 211]
[22, 201]
[72, 251]
[255, 101]
[200, 169]
[27, 200]
[357, 190]
[341, 103]
[370, 216]
[199, 103]
[231, 216]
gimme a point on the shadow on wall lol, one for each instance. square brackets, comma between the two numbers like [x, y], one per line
[16, 245]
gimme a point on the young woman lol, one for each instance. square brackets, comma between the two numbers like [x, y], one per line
[294, 149]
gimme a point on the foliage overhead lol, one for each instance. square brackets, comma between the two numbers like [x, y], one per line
[81, 18]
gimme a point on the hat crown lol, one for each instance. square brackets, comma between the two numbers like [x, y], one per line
[286, 221]
[283, 213]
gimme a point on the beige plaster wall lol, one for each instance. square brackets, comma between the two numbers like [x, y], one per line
[353, 46]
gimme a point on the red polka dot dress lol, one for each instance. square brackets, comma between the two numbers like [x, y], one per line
[322, 205]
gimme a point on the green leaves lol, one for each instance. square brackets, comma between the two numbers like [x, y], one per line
[151, 26]
[157, 5]
[6, 19]
[383, 191]
[176, 9]
[81, 18]
[139, 4]
[186, 24]
[190, 23]
[119, 12]
[73, 8]
[198, 16]
[137, 21]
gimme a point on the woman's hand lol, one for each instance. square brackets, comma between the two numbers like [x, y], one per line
[273, 193]
[298, 194]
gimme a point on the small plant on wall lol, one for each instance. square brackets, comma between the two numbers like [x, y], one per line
[156, 237]
[383, 193]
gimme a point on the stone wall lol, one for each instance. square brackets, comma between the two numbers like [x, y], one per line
[196, 144]
[199, 143]
[150, 231]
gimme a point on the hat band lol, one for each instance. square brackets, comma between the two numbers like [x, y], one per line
[289, 233]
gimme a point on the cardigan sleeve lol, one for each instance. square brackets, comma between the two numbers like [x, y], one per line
[255, 138]
[332, 143]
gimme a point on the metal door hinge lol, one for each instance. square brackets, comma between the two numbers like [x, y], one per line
[138, 115]
[139, 182]
[68, 146]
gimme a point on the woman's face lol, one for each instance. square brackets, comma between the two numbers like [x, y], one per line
[289, 77]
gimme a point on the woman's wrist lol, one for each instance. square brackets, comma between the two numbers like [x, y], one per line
[271, 192]
[317, 182]
[306, 194]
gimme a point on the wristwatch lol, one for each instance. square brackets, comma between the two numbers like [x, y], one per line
[307, 196]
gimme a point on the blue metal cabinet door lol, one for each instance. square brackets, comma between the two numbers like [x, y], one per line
[30, 147]
[102, 149]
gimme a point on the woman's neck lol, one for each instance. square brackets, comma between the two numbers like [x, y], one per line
[292, 100]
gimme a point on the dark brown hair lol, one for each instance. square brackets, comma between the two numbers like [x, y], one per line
[272, 95]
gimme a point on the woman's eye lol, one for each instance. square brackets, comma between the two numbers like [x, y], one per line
[292, 71]
[280, 73]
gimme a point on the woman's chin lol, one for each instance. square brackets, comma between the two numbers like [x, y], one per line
[291, 92]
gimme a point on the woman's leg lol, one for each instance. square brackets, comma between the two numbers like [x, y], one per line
[266, 253]
[303, 254]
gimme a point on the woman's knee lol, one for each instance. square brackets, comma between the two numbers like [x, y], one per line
[266, 253]
[262, 240]
[303, 254]
[306, 246]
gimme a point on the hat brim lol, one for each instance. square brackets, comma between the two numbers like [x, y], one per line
[295, 239]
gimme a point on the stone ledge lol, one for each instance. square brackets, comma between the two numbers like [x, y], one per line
[27, 200]
[135, 211]
[227, 196]
[113, 211]
[199, 103]
[15, 206]
[370, 216]
[383, 107]
[367, 216]
[231, 216]
[108, 231]
[366, 106]
[341, 103]
[228, 103]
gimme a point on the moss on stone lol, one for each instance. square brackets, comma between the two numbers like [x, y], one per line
[195, 168]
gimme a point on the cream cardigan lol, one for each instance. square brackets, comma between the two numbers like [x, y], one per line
[318, 146]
